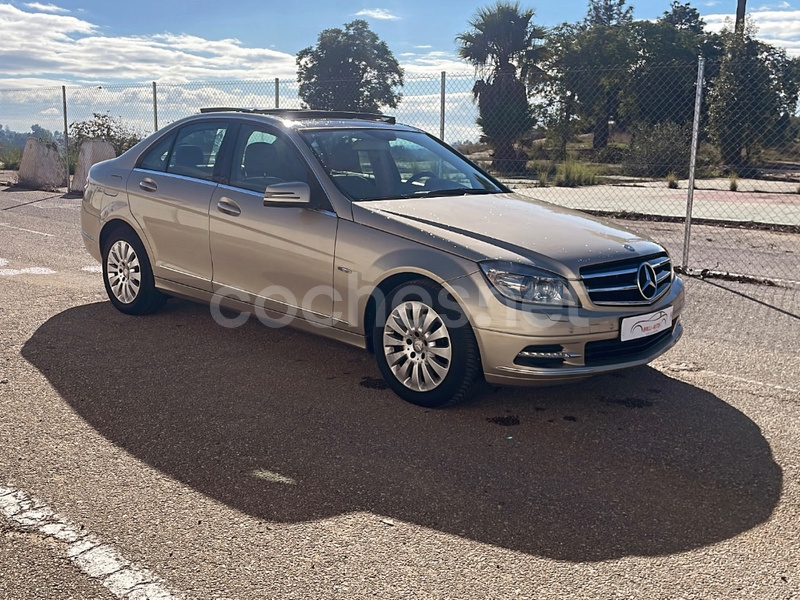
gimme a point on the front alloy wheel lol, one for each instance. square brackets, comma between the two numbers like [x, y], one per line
[417, 346]
[426, 353]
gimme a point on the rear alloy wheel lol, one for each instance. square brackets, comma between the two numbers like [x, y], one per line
[127, 275]
[427, 354]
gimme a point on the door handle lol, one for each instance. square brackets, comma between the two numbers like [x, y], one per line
[229, 207]
[148, 185]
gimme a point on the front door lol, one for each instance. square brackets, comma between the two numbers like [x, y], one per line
[278, 258]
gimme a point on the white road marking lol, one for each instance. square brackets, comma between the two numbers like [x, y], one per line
[273, 477]
[92, 269]
[27, 230]
[27, 271]
[97, 560]
[672, 369]
[780, 388]
[61, 206]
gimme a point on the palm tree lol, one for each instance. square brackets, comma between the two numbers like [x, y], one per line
[503, 46]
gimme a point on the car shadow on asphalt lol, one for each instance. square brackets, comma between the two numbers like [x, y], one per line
[288, 427]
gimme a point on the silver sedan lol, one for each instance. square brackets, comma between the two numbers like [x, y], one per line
[381, 236]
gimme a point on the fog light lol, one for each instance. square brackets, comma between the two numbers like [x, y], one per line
[544, 357]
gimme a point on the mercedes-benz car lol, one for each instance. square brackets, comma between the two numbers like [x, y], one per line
[379, 235]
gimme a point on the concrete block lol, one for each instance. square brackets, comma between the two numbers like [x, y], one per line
[91, 153]
[41, 167]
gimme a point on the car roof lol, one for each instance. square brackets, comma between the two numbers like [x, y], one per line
[307, 118]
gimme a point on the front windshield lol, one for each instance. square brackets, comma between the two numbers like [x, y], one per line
[382, 164]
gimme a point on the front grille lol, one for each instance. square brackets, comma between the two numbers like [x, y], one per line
[617, 283]
[606, 352]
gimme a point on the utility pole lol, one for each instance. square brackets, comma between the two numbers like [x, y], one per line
[740, 10]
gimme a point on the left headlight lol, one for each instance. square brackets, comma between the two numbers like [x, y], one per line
[523, 283]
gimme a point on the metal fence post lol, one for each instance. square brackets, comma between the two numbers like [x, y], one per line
[155, 108]
[66, 132]
[277, 93]
[698, 99]
[441, 116]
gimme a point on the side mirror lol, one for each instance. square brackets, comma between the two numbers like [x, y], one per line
[292, 194]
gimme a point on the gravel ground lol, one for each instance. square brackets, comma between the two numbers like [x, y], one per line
[256, 463]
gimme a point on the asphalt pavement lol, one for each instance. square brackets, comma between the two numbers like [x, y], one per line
[167, 457]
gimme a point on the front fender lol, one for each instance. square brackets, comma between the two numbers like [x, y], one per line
[366, 257]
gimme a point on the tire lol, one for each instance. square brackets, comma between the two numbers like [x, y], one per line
[425, 351]
[127, 275]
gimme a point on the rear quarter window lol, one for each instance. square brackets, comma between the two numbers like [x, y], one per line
[155, 159]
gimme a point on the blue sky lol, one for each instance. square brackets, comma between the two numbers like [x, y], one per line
[98, 41]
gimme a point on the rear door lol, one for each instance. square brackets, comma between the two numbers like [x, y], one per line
[170, 192]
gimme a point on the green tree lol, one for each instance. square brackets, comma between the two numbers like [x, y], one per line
[557, 103]
[658, 150]
[608, 13]
[41, 133]
[592, 64]
[756, 90]
[506, 48]
[665, 74]
[104, 127]
[349, 69]
[684, 17]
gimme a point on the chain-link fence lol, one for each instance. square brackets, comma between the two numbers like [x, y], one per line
[711, 171]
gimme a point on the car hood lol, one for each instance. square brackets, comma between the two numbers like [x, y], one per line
[506, 227]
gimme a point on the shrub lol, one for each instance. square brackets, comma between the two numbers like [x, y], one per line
[572, 173]
[658, 150]
[544, 171]
[469, 147]
[10, 158]
[610, 155]
[672, 181]
[709, 160]
[104, 127]
[540, 152]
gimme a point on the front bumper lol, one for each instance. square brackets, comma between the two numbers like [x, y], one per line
[550, 348]
[510, 373]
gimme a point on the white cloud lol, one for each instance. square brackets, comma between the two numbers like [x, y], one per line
[434, 62]
[777, 6]
[25, 83]
[377, 13]
[780, 28]
[47, 8]
[50, 111]
[71, 48]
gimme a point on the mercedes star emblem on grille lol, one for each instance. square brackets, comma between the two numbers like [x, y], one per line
[647, 280]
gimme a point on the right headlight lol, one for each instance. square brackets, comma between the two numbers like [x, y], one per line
[523, 283]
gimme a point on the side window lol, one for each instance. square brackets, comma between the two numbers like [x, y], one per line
[261, 159]
[156, 158]
[195, 151]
